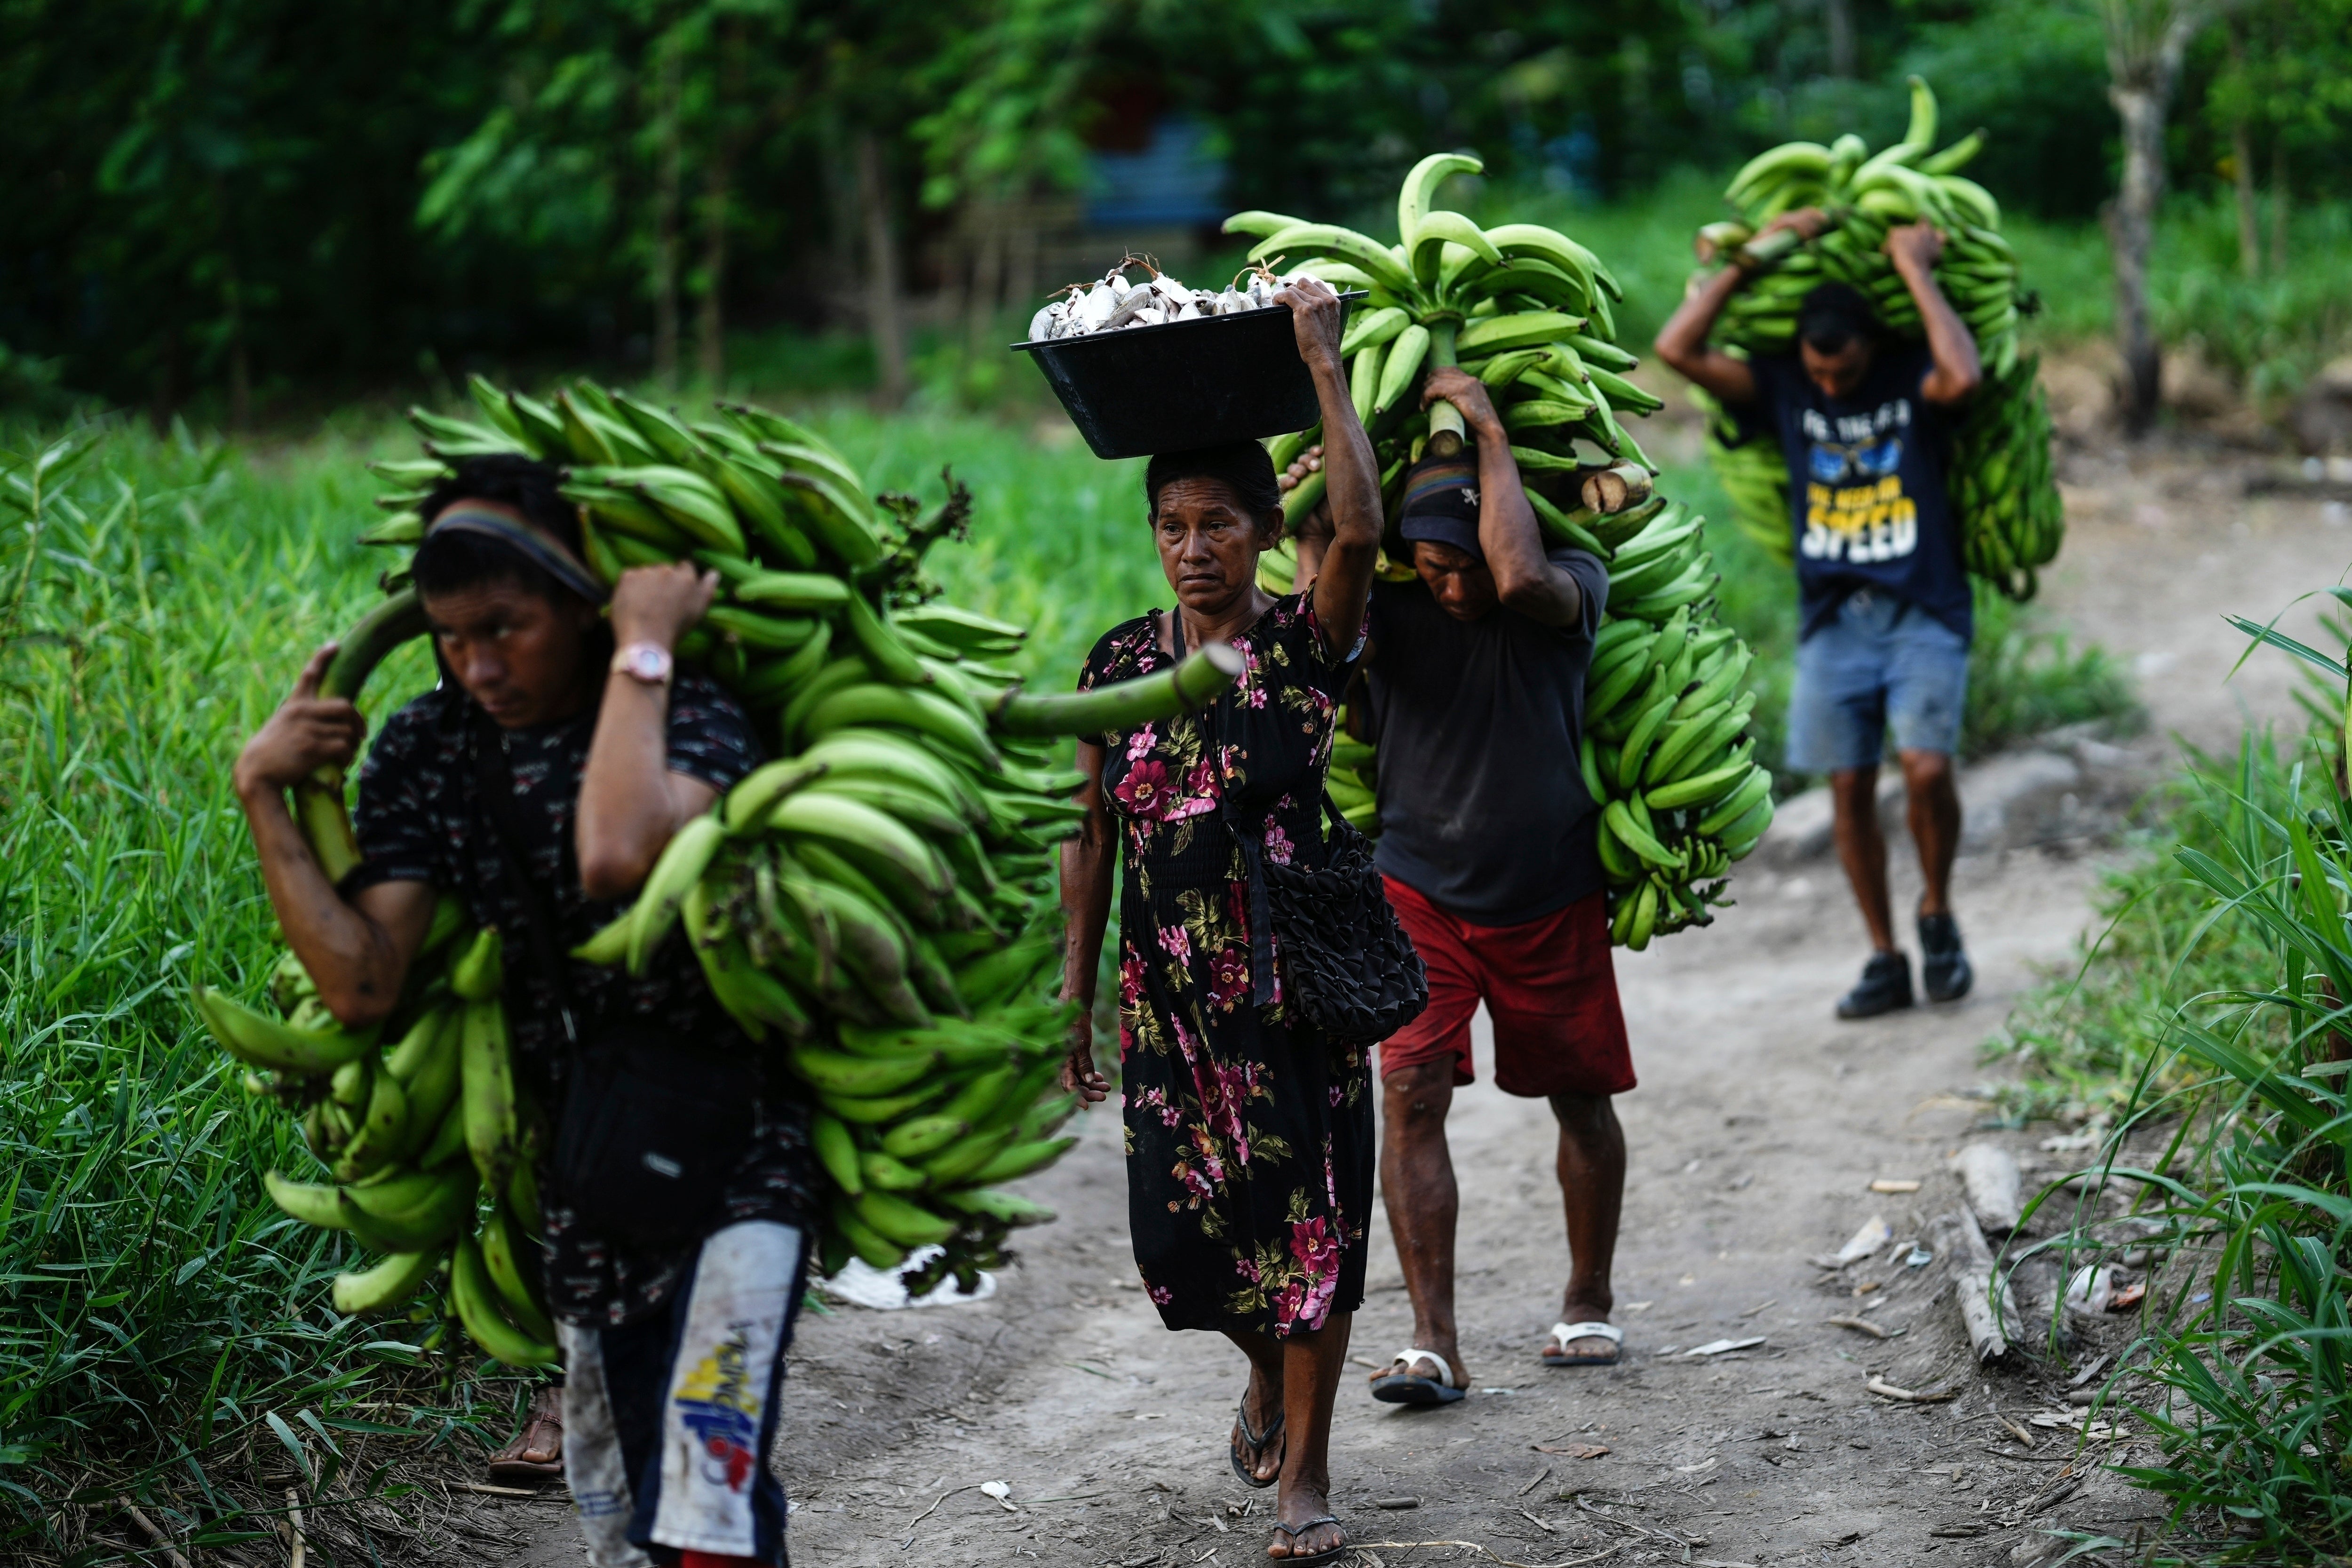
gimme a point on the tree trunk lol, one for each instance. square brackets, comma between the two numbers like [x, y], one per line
[668, 182]
[2278, 206]
[718, 195]
[987, 302]
[1023, 245]
[240, 365]
[2242, 168]
[2146, 39]
[1842, 45]
[2241, 165]
[882, 317]
[2131, 235]
[711, 320]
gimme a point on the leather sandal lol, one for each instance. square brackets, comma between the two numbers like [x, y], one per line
[543, 1433]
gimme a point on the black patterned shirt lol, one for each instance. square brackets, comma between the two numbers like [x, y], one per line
[420, 820]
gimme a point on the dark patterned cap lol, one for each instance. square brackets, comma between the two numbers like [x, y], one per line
[1441, 502]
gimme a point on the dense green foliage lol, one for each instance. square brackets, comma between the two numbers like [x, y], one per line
[2079, 1043]
[155, 1306]
[2203, 1037]
[2207, 1028]
[261, 201]
[2269, 332]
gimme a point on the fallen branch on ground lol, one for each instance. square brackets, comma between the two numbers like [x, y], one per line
[147, 1528]
[1861, 1325]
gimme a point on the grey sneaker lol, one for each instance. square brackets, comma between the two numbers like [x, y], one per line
[1884, 985]
[1943, 963]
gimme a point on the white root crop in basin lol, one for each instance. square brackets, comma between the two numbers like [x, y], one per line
[1115, 302]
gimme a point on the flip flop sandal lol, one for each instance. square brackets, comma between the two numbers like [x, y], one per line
[1407, 1387]
[1296, 1531]
[508, 1467]
[1258, 1442]
[1567, 1333]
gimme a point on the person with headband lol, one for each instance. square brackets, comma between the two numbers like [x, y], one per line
[1473, 691]
[1885, 612]
[538, 783]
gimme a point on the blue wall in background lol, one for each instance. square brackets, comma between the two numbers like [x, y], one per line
[1172, 183]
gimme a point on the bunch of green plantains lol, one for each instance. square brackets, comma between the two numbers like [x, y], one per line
[428, 1145]
[1527, 311]
[878, 906]
[2011, 520]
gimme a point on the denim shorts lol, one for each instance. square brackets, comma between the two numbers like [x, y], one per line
[1882, 663]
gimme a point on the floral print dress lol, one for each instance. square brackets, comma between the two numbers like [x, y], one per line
[1249, 1141]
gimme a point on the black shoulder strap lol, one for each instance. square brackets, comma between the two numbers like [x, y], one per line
[1261, 918]
[496, 786]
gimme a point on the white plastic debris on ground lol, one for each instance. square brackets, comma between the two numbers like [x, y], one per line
[860, 1285]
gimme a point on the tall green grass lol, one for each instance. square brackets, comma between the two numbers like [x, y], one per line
[164, 1331]
[2077, 1043]
[2206, 1029]
[2231, 1138]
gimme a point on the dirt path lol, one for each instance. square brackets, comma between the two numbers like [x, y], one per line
[1754, 1138]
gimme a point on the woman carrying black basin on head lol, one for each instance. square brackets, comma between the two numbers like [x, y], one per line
[1249, 1135]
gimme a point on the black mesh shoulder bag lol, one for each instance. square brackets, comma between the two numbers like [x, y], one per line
[1350, 968]
[651, 1125]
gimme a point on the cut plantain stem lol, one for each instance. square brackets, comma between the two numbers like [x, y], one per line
[1446, 430]
[319, 799]
[1188, 688]
[366, 645]
[1613, 490]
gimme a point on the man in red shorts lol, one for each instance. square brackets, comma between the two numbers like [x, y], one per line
[1477, 701]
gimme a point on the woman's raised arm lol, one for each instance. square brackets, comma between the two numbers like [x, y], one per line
[1351, 475]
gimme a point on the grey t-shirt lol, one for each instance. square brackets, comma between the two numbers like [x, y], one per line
[1483, 809]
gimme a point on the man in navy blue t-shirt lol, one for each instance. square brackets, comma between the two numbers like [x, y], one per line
[1882, 639]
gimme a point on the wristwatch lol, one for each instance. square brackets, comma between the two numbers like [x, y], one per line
[645, 661]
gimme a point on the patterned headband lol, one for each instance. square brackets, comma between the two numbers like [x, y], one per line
[1433, 486]
[536, 545]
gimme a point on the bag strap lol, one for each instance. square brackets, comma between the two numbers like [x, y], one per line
[496, 786]
[1331, 813]
[1261, 916]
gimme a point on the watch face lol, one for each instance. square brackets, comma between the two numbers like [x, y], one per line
[645, 662]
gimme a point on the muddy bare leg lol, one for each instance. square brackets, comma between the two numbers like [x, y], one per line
[1592, 1191]
[1261, 1400]
[1934, 806]
[1423, 1203]
[1862, 848]
[1311, 1363]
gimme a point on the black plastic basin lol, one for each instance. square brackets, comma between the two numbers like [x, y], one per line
[1135, 391]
